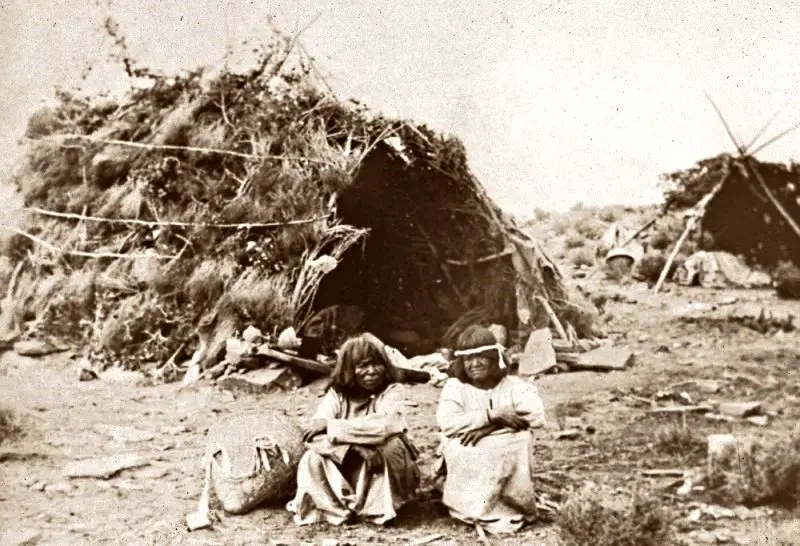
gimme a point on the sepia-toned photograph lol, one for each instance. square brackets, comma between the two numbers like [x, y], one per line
[340, 273]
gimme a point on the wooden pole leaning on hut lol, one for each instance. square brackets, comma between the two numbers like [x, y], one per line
[698, 212]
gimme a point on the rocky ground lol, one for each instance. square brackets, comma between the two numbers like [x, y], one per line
[66, 420]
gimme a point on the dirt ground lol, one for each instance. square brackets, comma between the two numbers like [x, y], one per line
[148, 505]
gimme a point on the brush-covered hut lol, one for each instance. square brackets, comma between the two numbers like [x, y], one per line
[159, 224]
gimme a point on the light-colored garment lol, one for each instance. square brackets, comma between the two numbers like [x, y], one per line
[490, 483]
[327, 491]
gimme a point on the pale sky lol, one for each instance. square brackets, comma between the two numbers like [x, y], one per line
[556, 102]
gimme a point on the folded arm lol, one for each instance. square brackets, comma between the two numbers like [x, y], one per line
[452, 418]
[374, 428]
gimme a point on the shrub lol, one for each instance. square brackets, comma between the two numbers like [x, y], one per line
[574, 240]
[679, 440]
[590, 228]
[560, 226]
[755, 474]
[541, 215]
[650, 266]
[588, 518]
[581, 256]
[609, 216]
[660, 240]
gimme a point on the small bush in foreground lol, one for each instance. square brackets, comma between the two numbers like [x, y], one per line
[588, 518]
[608, 216]
[650, 266]
[755, 474]
[9, 426]
[590, 228]
[679, 440]
[574, 240]
[581, 256]
[660, 240]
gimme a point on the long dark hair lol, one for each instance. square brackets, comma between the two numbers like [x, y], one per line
[358, 349]
[471, 338]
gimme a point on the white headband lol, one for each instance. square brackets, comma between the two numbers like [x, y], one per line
[496, 347]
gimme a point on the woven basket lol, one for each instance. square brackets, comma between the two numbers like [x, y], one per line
[252, 459]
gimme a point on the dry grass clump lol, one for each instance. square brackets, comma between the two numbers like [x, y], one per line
[608, 216]
[591, 517]
[208, 280]
[262, 299]
[678, 439]
[574, 240]
[650, 266]
[758, 474]
[590, 228]
[661, 239]
[10, 427]
[581, 256]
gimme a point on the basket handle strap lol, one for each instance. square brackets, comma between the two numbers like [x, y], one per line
[266, 446]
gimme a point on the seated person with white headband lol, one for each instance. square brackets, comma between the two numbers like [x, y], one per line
[486, 417]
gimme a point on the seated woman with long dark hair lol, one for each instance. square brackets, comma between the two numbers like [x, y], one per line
[486, 417]
[359, 464]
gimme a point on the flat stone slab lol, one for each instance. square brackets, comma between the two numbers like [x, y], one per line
[263, 380]
[740, 409]
[604, 359]
[35, 347]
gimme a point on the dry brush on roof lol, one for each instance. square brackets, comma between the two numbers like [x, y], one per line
[198, 205]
